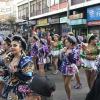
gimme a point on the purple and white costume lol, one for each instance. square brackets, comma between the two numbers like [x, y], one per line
[79, 62]
[97, 63]
[34, 51]
[68, 63]
[42, 54]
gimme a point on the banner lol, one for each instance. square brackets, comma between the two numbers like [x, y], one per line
[93, 13]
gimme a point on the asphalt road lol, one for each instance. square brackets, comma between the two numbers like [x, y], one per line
[77, 94]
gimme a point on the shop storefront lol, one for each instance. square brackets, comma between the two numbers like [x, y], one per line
[25, 26]
[64, 25]
[79, 24]
[54, 22]
[31, 25]
[93, 18]
[32, 22]
[22, 27]
[42, 23]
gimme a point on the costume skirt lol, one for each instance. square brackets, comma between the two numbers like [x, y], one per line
[69, 70]
[55, 53]
[89, 64]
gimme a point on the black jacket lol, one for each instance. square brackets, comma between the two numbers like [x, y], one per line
[94, 93]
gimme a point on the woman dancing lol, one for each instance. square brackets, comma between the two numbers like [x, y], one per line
[3, 71]
[94, 93]
[69, 59]
[42, 55]
[20, 68]
[34, 50]
[89, 55]
[56, 45]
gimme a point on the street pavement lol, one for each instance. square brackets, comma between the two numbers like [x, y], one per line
[77, 94]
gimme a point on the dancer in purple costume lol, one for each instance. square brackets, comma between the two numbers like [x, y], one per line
[42, 56]
[69, 59]
[34, 51]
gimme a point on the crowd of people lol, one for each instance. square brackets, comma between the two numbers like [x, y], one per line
[66, 54]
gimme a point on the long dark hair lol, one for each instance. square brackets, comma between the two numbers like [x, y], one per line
[8, 41]
[92, 38]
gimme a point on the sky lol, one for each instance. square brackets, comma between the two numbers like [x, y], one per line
[6, 6]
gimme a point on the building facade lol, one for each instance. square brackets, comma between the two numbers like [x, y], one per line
[61, 16]
[7, 12]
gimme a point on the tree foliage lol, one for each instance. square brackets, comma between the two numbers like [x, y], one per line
[11, 20]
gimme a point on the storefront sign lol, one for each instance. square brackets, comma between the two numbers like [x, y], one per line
[53, 20]
[33, 22]
[42, 22]
[93, 23]
[76, 16]
[20, 23]
[78, 22]
[28, 23]
[93, 13]
[64, 20]
[65, 29]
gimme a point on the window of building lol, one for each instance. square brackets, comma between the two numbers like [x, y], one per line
[20, 12]
[45, 8]
[44, 3]
[33, 8]
[23, 11]
[39, 6]
[54, 2]
[48, 3]
[61, 1]
[73, 2]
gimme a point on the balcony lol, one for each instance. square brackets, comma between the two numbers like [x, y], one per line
[33, 14]
[38, 12]
[54, 7]
[45, 10]
[74, 2]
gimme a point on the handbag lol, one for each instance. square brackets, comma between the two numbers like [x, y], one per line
[43, 86]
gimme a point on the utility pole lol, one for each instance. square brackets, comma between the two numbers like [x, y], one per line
[68, 13]
[68, 9]
[28, 20]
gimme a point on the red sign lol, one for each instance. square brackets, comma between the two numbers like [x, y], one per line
[93, 23]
